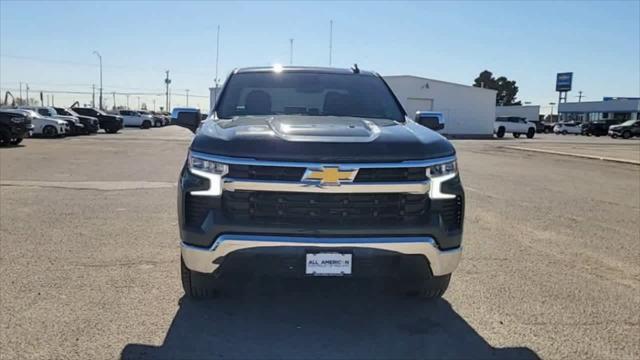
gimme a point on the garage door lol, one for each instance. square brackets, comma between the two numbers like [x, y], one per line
[417, 104]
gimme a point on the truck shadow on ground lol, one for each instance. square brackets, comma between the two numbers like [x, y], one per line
[321, 319]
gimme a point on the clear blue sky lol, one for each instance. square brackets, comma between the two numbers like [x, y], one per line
[50, 44]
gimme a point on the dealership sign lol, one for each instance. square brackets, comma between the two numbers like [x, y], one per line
[563, 81]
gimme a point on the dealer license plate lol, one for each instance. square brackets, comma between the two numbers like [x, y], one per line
[328, 264]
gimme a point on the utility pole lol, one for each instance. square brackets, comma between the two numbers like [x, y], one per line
[114, 100]
[93, 96]
[187, 90]
[127, 101]
[167, 81]
[53, 103]
[551, 114]
[100, 58]
[580, 96]
[290, 51]
[21, 99]
[330, 40]
[27, 94]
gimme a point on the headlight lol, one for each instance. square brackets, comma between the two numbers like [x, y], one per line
[214, 171]
[444, 169]
[438, 174]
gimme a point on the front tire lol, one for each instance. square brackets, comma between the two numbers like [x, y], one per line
[431, 288]
[111, 130]
[500, 133]
[564, 132]
[5, 137]
[197, 285]
[626, 134]
[531, 133]
[49, 131]
[146, 124]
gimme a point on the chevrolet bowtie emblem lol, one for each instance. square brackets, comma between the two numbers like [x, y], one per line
[329, 175]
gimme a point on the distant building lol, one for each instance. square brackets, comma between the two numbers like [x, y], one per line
[529, 112]
[469, 111]
[609, 109]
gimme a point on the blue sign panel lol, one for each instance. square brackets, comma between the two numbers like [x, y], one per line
[563, 81]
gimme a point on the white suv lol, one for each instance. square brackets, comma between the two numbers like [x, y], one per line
[567, 128]
[134, 118]
[515, 125]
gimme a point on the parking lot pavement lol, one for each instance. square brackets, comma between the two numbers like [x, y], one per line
[582, 146]
[89, 265]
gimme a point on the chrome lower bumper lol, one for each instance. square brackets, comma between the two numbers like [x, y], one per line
[208, 260]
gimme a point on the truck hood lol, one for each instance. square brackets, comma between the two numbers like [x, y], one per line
[319, 139]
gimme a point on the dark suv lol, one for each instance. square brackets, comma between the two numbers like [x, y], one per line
[317, 172]
[91, 124]
[110, 123]
[626, 130]
[13, 127]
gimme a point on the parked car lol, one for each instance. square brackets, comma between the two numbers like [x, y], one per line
[45, 126]
[14, 127]
[75, 127]
[136, 118]
[626, 130]
[567, 128]
[91, 124]
[158, 120]
[595, 129]
[321, 169]
[109, 123]
[515, 125]
[176, 112]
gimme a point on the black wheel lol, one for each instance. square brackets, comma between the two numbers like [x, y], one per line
[626, 134]
[16, 141]
[5, 137]
[197, 285]
[516, 135]
[614, 136]
[546, 131]
[146, 124]
[158, 124]
[111, 130]
[531, 133]
[431, 288]
[564, 132]
[500, 133]
[49, 131]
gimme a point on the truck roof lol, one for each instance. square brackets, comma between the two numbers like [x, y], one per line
[309, 69]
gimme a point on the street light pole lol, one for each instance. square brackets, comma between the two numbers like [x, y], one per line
[187, 90]
[291, 52]
[100, 58]
[551, 114]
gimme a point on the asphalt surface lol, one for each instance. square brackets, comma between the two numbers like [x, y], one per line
[89, 265]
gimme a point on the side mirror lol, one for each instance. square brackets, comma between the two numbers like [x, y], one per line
[429, 120]
[188, 119]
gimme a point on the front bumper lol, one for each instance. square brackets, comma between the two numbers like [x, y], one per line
[208, 260]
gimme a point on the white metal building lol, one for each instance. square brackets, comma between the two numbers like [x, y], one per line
[469, 111]
[529, 112]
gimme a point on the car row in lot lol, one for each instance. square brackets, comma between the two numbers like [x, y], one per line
[518, 126]
[143, 119]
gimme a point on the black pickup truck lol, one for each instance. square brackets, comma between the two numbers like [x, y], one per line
[110, 123]
[317, 172]
[13, 127]
[91, 124]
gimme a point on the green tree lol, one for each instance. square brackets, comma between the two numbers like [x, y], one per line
[507, 89]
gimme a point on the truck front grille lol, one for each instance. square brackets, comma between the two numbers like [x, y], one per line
[313, 208]
[290, 173]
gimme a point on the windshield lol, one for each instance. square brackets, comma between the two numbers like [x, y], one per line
[271, 93]
[628, 123]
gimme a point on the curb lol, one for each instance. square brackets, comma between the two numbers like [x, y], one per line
[593, 157]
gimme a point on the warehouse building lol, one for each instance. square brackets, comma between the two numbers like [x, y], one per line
[469, 111]
[614, 110]
[529, 112]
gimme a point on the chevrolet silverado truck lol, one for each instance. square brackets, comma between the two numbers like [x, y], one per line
[301, 171]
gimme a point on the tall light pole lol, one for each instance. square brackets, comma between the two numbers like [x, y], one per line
[551, 114]
[290, 51]
[330, 40]
[167, 81]
[27, 94]
[100, 58]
